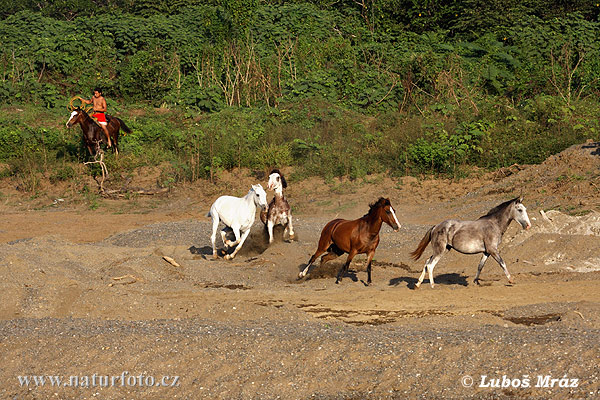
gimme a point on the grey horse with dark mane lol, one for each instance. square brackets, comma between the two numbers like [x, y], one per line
[472, 237]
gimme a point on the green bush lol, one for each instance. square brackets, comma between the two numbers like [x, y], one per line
[337, 89]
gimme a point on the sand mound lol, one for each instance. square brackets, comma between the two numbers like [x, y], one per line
[569, 180]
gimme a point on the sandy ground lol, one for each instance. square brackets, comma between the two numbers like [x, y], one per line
[87, 297]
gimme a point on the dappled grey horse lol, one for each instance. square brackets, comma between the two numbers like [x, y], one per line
[472, 237]
[279, 211]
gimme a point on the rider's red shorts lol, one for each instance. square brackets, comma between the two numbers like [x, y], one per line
[100, 117]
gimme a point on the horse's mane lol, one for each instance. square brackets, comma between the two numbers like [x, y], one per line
[87, 116]
[283, 181]
[81, 110]
[381, 202]
[500, 207]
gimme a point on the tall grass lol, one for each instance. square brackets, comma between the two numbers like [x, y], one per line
[315, 137]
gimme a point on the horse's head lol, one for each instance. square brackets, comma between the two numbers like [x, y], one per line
[276, 181]
[75, 117]
[519, 213]
[387, 213]
[260, 196]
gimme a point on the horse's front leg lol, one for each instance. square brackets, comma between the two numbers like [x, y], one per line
[480, 267]
[290, 228]
[369, 261]
[239, 243]
[236, 232]
[213, 237]
[270, 225]
[344, 268]
[500, 261]
[224, 237]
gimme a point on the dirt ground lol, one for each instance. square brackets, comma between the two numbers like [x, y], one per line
[87, 297]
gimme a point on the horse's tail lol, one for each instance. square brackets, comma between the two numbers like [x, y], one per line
[416, 254]
[124, 126]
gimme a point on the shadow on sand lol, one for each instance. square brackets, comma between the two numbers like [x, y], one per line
[444, 279]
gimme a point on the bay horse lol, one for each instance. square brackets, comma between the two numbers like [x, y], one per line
[359, 236]
[472, 237]
[279, 211]
[93, 134]
[237, 213]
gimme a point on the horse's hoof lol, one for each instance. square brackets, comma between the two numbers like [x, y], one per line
[432, 285]
[215, 256]
[476, 281]
[228, 257]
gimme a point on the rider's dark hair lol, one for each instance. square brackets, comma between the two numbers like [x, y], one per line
[98, 90]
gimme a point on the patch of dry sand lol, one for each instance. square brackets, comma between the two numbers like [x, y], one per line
[88, 291]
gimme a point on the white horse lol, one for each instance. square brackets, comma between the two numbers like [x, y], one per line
[472, 237]
[238, 214]
[279, 211]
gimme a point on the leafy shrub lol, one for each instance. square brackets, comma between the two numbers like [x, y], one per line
[270, 155]
[62, 174]
[441, 151]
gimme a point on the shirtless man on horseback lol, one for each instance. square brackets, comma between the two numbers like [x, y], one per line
[99, 104]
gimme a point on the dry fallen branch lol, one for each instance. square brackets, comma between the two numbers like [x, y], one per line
[543, 214]
[123, 191]
[119, 278]
[580, 314]
[506, 171]
[171, 261]
[102, 166]
[117, 192]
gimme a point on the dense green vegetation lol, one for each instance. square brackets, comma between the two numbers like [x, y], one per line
[349, 88]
